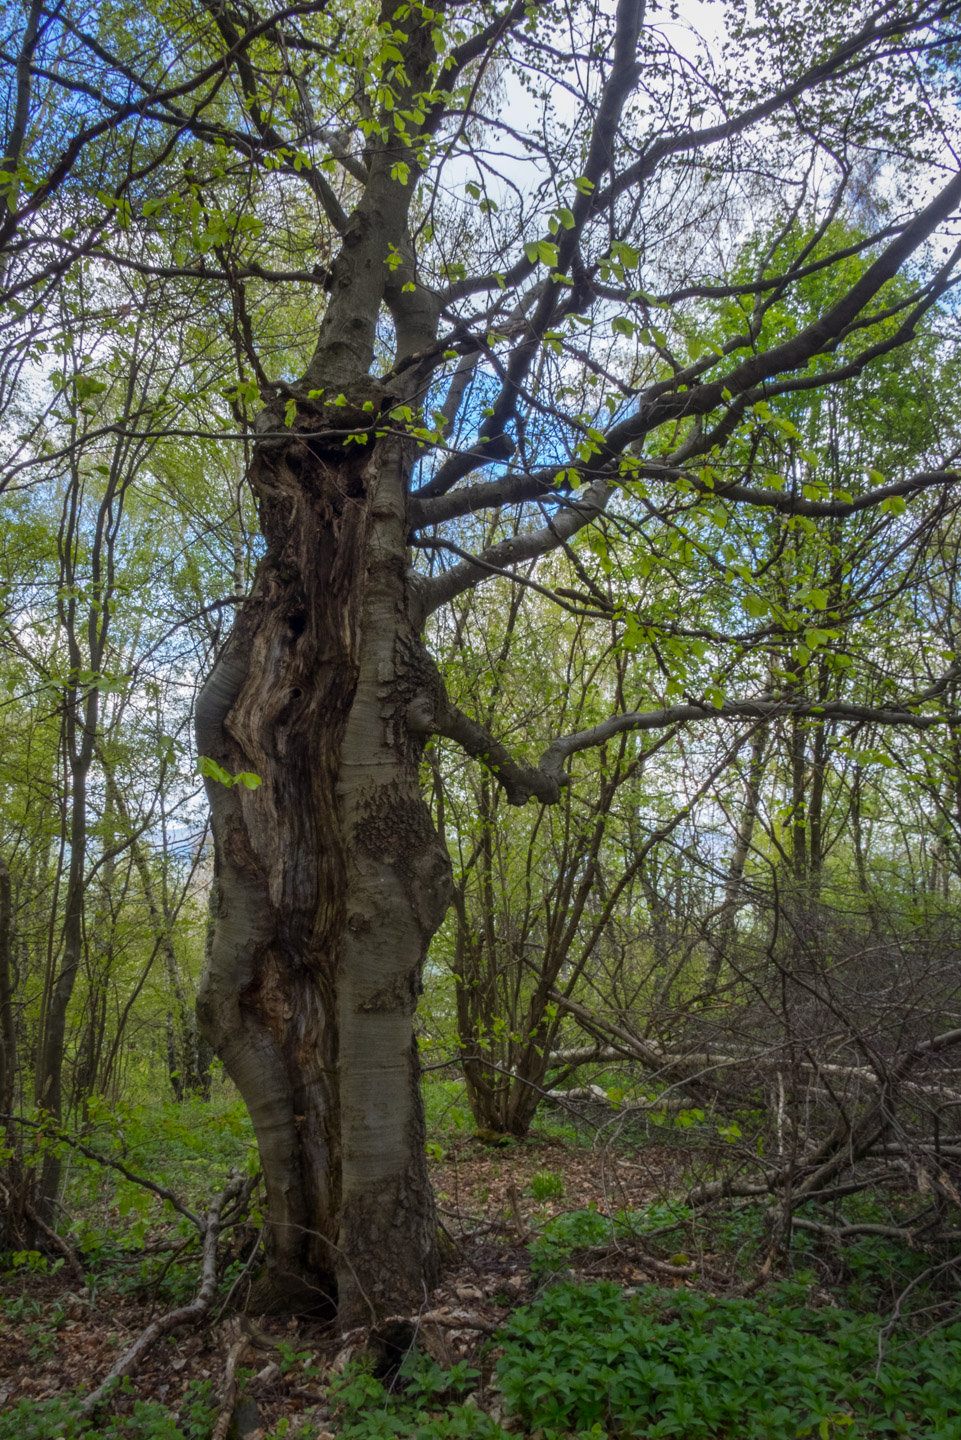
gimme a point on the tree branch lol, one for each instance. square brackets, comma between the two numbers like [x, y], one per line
[186, 1314]
[576, 513]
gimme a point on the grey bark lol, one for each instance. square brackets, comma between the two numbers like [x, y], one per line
[329, 877]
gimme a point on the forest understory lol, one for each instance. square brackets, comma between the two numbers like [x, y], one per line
[563, 1252]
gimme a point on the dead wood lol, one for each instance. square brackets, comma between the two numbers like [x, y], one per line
[185, 1314]
[238, 1344]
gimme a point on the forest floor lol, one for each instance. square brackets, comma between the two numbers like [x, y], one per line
[57, 1339]
[525, 1221]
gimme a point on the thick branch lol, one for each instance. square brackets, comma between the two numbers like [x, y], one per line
[545, 781]
[520, 782]
[761, 709]
[577, 513]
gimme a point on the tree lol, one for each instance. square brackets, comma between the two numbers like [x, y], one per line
[456, 252]
[534, 893]
[98, 683]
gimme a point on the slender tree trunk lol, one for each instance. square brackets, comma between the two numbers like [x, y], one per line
[799, 832]
[720, 947]
[188, 1058]
[330, 879]
[8, 1029]
[49, 1080]
[188, 1076]
[14, 1192]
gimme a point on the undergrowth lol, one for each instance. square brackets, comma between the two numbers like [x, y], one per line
[60, 1418]
[817, 1355]
[587, 1362]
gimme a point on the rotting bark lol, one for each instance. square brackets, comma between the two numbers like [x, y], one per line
[329, 877]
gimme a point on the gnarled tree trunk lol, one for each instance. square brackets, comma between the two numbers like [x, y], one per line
[330, 878]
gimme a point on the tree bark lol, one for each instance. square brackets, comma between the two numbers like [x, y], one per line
[330, 879]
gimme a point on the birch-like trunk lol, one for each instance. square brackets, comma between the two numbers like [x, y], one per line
[330, 878]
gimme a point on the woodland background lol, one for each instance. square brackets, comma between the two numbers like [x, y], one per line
[690, 1036]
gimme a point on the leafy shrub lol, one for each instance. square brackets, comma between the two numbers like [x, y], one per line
[422, 1405]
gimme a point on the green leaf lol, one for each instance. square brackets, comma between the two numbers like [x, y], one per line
[212, 771]
[87, 386]
[542, 252]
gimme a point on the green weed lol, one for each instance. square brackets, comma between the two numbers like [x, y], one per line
[562, 1237]
[60, 1419]
[424, 1404]
[547, 1185]
[677, 1364]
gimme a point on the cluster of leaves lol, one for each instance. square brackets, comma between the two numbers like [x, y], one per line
[62, 1419]
[424, 1403]
[658, 1364]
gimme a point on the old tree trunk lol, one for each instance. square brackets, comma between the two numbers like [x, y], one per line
[330, 878]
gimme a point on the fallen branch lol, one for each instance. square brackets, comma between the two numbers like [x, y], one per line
[895, 1232]
[186, 1314]
[596, 1095]
[587, 1055]
[694, 1065]
[237, 1347]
